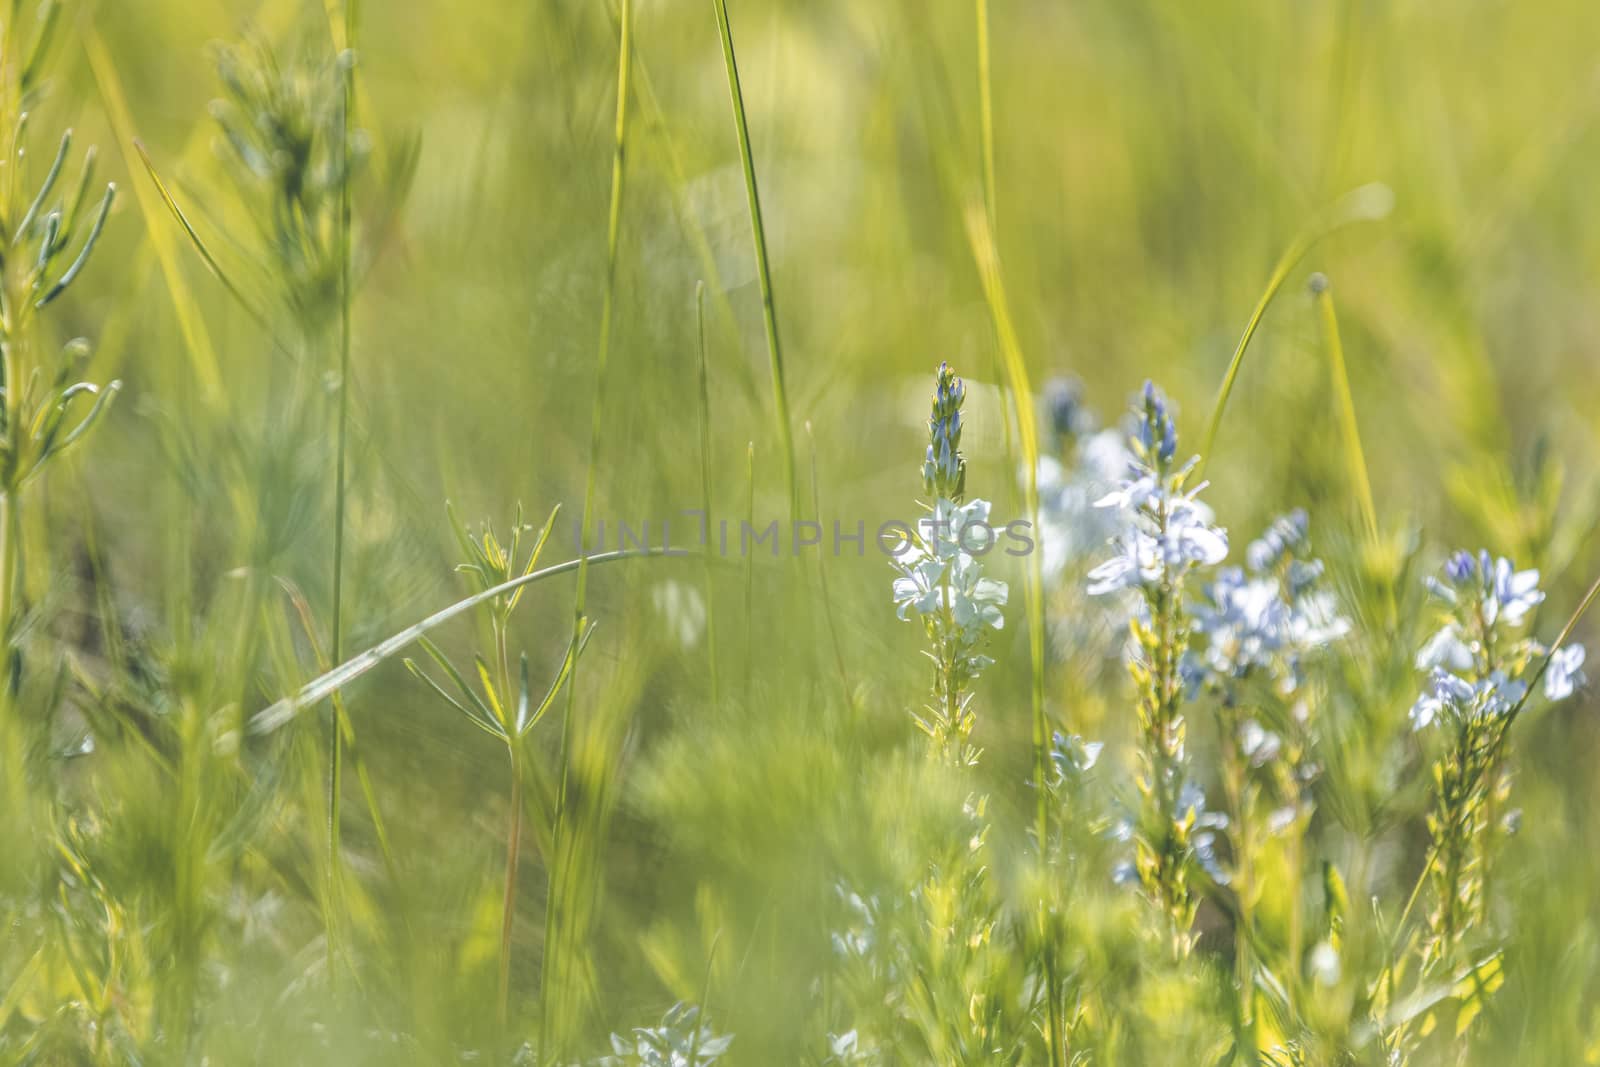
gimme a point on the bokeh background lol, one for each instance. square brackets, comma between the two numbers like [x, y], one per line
[1151, 161]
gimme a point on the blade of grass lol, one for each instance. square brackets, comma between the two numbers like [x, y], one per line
[302, 608]
[988, 263]
[197, 342]
[822, 577]
[1355, 458]
[987, 259]
[749, 572]
[279, 714]
[1365, 204]
[342, 42]
[553, 970]
[199, 244]
[654, 120]
[769, 310]
[991, 209]
[705, 489]
[986, 111]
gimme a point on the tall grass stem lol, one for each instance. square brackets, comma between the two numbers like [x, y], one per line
[705, 487]
[1367, 203]
[758, 230]
[553, 971]
[987, 259]
[1355, 457]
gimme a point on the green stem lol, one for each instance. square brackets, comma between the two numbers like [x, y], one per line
[340, 493]
[763, 267]
[551, 1044]
[509, 908]
[986, 110]
[1236, 784]
[705, 489]
[822, 578]
[10, 581]
[1366, 203]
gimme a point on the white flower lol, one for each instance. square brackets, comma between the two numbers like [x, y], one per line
[941, 572]
[1245, 623]
[1449, 695]
[1565, 673]
[1131, 494]
[682, 608]
[1190, 537]
[1137, 562]
[917, 588]
[1070, 524]
[1272, 618]
[1444, 692]
[1515, 592]
[1446, 649]
[1316, 620]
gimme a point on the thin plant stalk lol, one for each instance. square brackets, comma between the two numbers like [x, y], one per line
[337, 713]
[10, 569]
[986, 110]
[1350, 429]
[986, 256]
[822, 578]
[1386, 979]
[769, 310]
[1236, 787]
[749, 573]
[197, 346]
[280, 714]
[508, 912]
[551, 972]
[1355, 458]
[1367, 203]
[705, 487]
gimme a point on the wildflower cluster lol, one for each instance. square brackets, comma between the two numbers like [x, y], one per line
[941, 578]
[1481, 664]
[945, 936]
[1263, 620]
[1256, 628]
[1167, 535]
[682, 1039]
[1086, 463]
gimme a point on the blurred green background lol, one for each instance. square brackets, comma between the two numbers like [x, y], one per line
[1152, 161]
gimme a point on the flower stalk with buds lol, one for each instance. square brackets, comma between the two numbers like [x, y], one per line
[1168, 535]
[941, 578]
[1480, 662]
[1258, 626]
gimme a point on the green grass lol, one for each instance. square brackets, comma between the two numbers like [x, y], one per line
[614, 259]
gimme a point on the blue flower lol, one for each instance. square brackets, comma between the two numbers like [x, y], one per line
[1271, 617]
[1459, 567]
[1136, 564]
[1069, 525]
[1071, 755]
[1158, 433]
[1286, 534]
[1492, 585]
[944, 469]
[939, 570]
[1446, 648]
[1565, 672]
[1069, 417]
[1245, 622]
[1455, 698]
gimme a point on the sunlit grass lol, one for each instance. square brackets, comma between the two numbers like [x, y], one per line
[723, 802]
